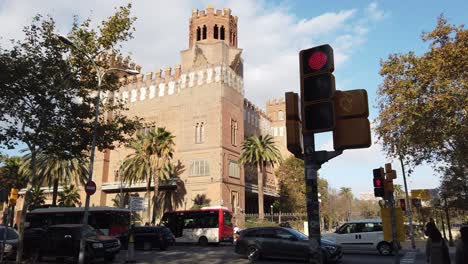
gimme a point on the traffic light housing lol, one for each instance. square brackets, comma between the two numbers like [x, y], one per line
[352, 128]
[293, 124]
[378, 182]
[13, 196]
[403, 204]
[317, 89]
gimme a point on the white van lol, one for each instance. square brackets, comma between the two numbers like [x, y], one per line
[361, 235]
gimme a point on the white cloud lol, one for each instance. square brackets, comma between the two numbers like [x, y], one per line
[270, 34]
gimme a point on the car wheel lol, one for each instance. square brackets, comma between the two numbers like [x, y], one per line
[253, 253]
[203, 241]
[384, 248]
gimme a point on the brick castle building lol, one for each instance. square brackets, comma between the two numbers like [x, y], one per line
[201, 102]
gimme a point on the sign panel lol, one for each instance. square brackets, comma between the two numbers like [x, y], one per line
[423, 194]
[138, 203]
[90, 188]
[387, 224]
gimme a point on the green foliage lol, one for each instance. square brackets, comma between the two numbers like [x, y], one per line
[262, 152]
[36, 199]
[423, 103]
[200, 201]
[152, 151]
[69, 197]
[54, 170]
[11, 174]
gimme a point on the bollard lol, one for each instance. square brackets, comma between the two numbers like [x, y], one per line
[130, 250]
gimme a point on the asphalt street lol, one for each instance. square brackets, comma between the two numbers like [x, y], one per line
[225, 254]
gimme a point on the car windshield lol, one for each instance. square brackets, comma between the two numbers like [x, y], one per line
[298, 234]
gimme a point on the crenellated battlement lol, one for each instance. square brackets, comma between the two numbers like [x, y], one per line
[275, 101]
[210, 11]
[153, 85]
[251, 106]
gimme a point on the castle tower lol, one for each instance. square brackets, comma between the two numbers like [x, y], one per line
[208, 26]
[276, 111]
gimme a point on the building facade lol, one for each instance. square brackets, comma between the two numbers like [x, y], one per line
[201, 102]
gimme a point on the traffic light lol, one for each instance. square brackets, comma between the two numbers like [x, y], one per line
[390, 175]
[379, 182]
[293, 124]
[13, 196]
[352, 128]
[403, 204]
[317, 89]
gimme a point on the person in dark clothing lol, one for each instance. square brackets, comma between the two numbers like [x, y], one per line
[461, 255]
[436, 247]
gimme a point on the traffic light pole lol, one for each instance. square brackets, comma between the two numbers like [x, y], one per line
[313, 213]
[409, 211]
[395, 245]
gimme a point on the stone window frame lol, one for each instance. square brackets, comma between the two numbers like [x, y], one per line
[200, 133]
[200, 167]
[233, 169]
[234, 129]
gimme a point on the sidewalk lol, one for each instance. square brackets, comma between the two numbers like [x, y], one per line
[420, 257]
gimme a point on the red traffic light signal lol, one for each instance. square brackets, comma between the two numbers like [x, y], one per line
[378, 181]
[317, 59]
[317, 89]
[403, 204]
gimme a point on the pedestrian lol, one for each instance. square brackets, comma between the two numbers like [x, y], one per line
[436, 247]
[461, 255]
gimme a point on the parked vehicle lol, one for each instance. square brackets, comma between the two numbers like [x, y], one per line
[11, 242]
[207, 225]
[148, 237]
[361, 235]
[282, 243]
[63, 241]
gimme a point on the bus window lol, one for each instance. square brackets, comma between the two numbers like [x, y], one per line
[227, 219]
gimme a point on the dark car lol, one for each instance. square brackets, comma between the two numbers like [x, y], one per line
[148, 237]
[11, 241]
[63, 241]
[282, 243]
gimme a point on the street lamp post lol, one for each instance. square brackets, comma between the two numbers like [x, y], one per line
[100, 73]
[271, 212]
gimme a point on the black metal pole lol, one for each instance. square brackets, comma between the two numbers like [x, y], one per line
[443, 225]
[313, 213]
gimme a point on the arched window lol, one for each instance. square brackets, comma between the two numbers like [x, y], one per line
[222, 32]
[231, 40]
[234, 40]
[198, 34]
[215, 32]
[204, 31]
[280, 115]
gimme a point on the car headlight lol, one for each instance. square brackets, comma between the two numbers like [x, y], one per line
[98, 245]
[331, 249]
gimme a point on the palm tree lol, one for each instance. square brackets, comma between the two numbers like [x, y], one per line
[69, 197]
[137, 166]
[56, 170]
[347, 193]
[171, 198]
[162, 150]
[200, 201]
[260, 151]
[37, 198]
[121, 201]
[152, 151]
[12, 174]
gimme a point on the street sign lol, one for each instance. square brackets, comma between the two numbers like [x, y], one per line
[90, 188]
[138, 203]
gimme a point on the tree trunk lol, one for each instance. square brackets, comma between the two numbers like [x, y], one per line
[55, 192]
[261, 213]
[19, 252]
[156, 189]
[148, 196]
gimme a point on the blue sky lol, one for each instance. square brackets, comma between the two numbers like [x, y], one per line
[271, 34]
